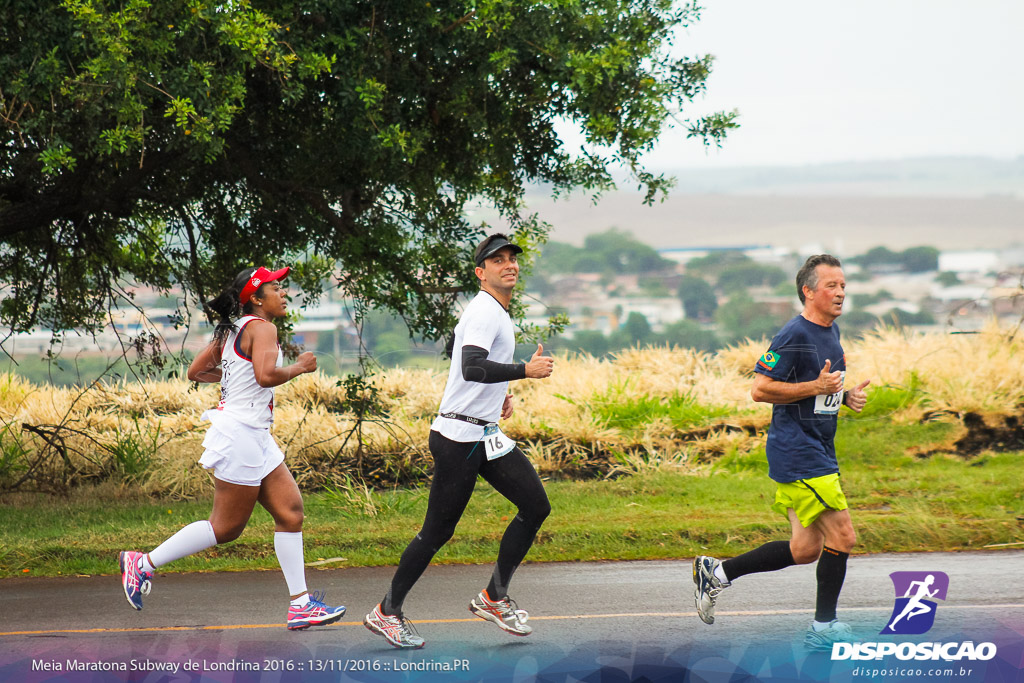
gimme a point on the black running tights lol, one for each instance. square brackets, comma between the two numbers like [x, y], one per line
[456, 466]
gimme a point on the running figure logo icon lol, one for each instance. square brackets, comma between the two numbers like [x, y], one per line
[913, 612]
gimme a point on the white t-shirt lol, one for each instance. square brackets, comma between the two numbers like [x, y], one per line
[484, 323]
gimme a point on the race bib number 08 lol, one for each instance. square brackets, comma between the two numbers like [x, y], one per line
[828, 404]
[496, 444]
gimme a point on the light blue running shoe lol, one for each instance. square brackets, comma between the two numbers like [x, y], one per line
[822, 641]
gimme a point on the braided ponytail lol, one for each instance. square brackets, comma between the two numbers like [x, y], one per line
[228, 308]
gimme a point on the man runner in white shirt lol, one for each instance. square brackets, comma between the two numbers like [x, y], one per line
[465, 441]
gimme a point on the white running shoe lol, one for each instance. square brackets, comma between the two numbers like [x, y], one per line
[708, 587]
[837, 632]
[505, 613]
[396, 629]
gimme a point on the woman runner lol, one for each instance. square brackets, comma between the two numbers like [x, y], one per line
[247, 464]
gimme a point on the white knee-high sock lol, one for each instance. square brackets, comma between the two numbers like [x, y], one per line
[288, 546]
[193, 538]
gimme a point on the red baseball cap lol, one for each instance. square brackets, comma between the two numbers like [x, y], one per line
[258, 277]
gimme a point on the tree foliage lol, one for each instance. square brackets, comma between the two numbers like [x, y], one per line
[171, 143]
[743, 318]
[712, 264]
[912, 260]
[698, 297]
[920, 259]
[741, 276]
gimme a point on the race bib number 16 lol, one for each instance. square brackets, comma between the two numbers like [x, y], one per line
[496, 444]
[828, 404]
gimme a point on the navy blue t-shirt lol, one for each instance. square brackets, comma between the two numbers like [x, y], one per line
[800, 439]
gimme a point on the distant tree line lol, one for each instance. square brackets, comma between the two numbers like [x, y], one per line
[912, 260]
[723, 274]
[612, 251]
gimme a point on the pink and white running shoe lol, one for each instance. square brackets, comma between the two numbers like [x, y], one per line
[313, 613]
[135, 582]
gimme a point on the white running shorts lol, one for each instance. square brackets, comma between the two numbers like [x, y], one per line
[238, 453]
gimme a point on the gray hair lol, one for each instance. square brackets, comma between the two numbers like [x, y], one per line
[808, 273]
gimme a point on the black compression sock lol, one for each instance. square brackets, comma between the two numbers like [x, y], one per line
[769, 557]
[515, 543]
[831, 573]
[387, 608]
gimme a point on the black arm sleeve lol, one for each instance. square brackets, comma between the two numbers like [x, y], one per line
[476, 367]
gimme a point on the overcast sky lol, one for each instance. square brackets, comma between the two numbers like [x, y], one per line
[824, 81]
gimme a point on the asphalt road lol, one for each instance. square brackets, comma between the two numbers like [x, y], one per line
[592, 621]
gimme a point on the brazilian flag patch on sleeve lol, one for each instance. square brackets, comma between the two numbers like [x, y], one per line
[768, 360]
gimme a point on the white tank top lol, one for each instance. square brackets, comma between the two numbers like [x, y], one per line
[241, 396]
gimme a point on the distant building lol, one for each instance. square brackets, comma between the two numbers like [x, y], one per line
[1007, 301]
[883, 308]
[959, 293]
[780, 305]
[659, 311]
[1012, 256]
[606, 314]
[326, 318]
[758, 252]
[976, 262]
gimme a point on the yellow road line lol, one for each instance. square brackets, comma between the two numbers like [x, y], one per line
[619, 615]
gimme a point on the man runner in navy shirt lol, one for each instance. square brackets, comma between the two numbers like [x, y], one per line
[802, 375]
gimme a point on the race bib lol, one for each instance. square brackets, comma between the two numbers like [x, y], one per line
[828, 404]
[496, 444]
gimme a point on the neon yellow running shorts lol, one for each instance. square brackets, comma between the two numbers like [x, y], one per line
[809, 498]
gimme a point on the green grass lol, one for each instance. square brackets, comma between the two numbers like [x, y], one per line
[888, 399]
[899, 502]
[619, 407]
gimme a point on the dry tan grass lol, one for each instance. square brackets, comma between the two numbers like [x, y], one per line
[740, 358]
[554, 419]
[967, 372]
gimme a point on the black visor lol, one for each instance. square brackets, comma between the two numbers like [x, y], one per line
[490, 246]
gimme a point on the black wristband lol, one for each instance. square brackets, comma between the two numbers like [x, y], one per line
[845, 394]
